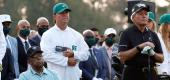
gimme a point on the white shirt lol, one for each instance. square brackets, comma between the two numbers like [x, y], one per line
[23, 42]
[55, 60]
[165, 66]
[2, 44]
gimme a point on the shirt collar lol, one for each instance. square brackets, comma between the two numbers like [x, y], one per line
[22, 39]
[67, 28]
[39, 36]
[7, 36]
[136, 29]
[104, 44]
[35, 73]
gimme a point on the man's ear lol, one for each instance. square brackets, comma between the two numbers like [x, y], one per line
[17, 28]
[29, 61]
[54, 18]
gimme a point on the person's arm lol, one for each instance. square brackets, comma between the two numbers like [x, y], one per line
[3, 43]
[8, 70]
[85, 73]
[49, 53]
[124, 52]
[159, 57]
[127, 55]
[82, 53]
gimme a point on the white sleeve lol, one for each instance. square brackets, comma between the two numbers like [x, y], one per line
[49, 53]
[82, 54]
[2, 43]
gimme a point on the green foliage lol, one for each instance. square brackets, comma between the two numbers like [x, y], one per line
[82, 16]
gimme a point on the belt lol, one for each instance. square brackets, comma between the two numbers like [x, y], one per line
[143, 68]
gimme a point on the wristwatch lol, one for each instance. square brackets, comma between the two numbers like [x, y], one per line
[138, 48]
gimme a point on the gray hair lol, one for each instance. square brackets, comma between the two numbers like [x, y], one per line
[87, 31]
[22, 21]
[40, 19]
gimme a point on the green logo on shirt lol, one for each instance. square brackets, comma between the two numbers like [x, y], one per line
[74, 48]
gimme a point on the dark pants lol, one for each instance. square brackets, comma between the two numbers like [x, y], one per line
[139, 73]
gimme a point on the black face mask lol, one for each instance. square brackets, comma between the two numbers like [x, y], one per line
[97, 40]
[90, 40]
[24, 32]
[6, 30]
[109, 41]
[41, 31]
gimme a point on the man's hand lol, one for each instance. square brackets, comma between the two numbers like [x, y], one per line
[151, 52]
[1, 68]
[71, 62]
[69, 53]
[146, 44]
[148, 50]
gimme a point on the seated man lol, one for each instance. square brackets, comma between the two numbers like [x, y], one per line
[37, 71]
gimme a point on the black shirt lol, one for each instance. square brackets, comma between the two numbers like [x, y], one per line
[132, 37]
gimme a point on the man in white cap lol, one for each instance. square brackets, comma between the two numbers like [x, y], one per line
[2, 46]
[109, 49]
[139, 47]
[11, 42]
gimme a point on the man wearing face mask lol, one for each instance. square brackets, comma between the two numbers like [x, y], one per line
[11, 43]
[109, 49]
[97, 36]
[42, 26]
[23, 29]
[2, 46]
[95, 67]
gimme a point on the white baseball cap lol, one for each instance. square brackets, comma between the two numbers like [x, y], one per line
[5, 18]
[110, 31]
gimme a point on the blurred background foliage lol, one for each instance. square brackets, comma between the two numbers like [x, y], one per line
[85, 13]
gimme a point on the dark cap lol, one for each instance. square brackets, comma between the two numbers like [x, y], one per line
[60, 7]
[33, 50]
[139, 6]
